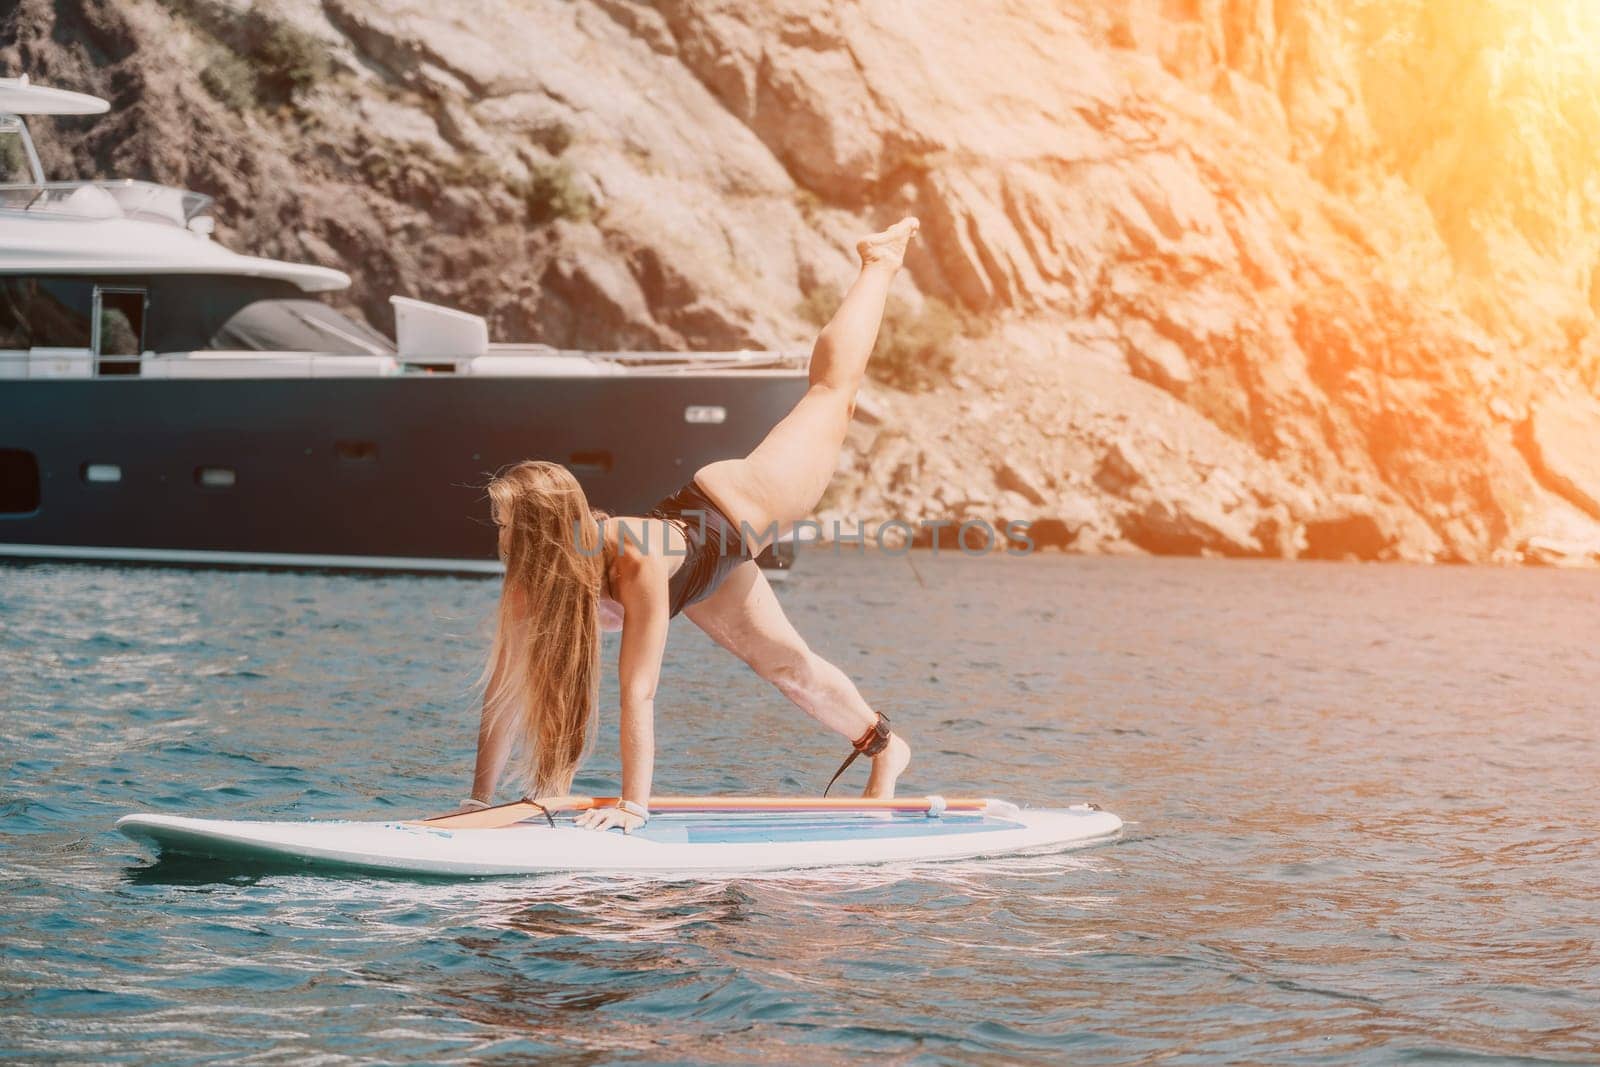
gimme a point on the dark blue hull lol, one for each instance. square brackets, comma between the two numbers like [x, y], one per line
[375, 471]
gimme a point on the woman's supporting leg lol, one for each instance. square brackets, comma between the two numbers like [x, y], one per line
[782, 480]
[745, 617]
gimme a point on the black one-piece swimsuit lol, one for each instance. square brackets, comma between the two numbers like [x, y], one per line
[714, 546]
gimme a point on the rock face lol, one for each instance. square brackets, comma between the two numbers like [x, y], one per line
[1244, 277]
[1562, 441]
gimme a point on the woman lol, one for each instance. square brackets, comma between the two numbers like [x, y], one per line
[568, 576]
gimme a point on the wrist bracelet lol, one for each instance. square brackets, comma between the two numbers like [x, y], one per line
[636, 810]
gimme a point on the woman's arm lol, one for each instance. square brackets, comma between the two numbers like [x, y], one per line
[494, 747]
[494, 739]
[641, 586]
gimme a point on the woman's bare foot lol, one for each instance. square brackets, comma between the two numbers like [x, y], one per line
[888, 247]
[888, 765]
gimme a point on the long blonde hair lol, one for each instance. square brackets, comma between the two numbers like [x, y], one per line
[546, 690]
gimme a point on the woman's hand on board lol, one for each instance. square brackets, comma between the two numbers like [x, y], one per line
[606, 818]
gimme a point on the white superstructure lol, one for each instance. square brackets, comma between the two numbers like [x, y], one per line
[109, 227]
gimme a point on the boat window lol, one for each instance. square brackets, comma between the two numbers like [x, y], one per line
[15, 168]
[296, 325]
[705, 414]
[101, 473]
[19, 482]
[44, 313]
[595, 462]
[13, 316]
[123, 319]
[119, 330]
[199, 313]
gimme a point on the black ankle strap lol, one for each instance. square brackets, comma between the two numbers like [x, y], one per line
[876, 739]
[869, 744]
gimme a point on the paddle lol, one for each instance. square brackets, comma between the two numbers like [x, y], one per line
[521, 810]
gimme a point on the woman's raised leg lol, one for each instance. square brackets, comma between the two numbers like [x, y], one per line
[745, 617]
[782, 480]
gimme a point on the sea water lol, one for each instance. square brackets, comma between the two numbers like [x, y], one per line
[1363, 808]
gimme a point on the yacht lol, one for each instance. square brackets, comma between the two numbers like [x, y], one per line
[164, 399]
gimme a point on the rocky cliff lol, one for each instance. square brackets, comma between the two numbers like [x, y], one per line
[1244, 277]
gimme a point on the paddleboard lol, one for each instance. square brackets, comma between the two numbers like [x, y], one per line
[722, 839]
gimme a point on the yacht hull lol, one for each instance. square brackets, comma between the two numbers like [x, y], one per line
[361, 472]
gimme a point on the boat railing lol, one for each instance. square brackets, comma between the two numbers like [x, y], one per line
[60, 363]
[108, 199]
[686, 362]
[509, 360]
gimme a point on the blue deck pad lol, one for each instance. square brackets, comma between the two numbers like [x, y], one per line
[737, 829]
